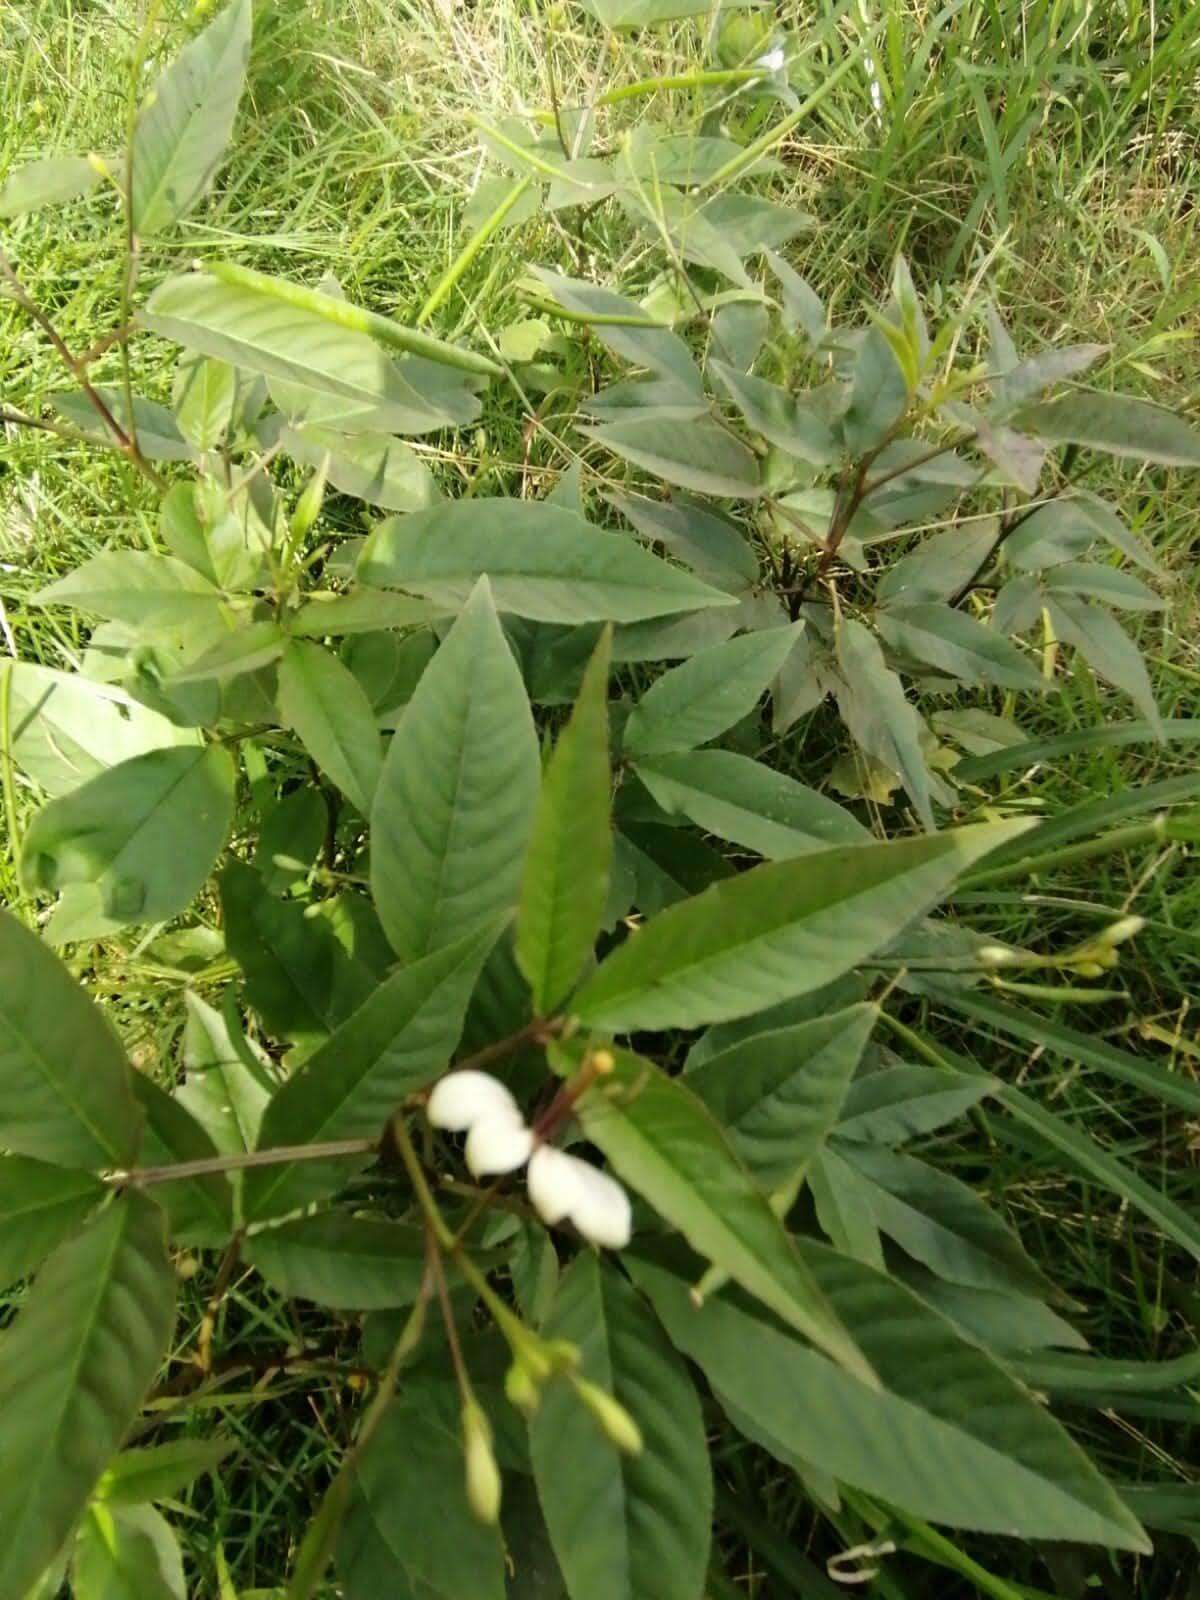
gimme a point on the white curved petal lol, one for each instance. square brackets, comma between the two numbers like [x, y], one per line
[553, 1183]
[602, 1211]
[498, 1143]
[461, 1098]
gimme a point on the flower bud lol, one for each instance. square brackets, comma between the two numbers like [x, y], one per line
[461, 1099]
[308, 507]
[521, 1390]
[1123, 929]
[498, 1143]
[615, 1422]
[483, 1475]
[562, 1186]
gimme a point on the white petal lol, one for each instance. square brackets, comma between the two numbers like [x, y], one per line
[461, 1098]
[553, 1183]
[499, 1143]
[601, 1212]
[773, 59]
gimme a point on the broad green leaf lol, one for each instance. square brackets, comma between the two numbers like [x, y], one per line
[160, 1471]
[951, 1438]
[225, 1087]
[566, 872]
[542, 562]
[186, 122]
[73, 1370]
[147, 591]
[623, 1527]
[298, 977]
[739, 328]
[748, 803]
[778, 930]
[48, 182]
[335, 376]
[40, 1206]
[1118, 424]
[698, 701]
[715, 548]
[456, 798]
[878, 395]
[243, 650]
[126, 1553]
[792, 422]
[64, 729]
[409, 1531]
[373, 467]
[158, 435]
[879, 717]
[65, 1093]
[895, 1104]
[662, 1140]
[204, 396]
[778, 1094]
[941, 565]
[702, 456]
[1107, 649]
[349, 1263]
[145, 834]
[959, 644]
[395, 1043]
[803, 308]
[199, 1209]
[325, 704]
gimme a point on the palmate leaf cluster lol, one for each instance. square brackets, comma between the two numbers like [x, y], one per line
[494, 779]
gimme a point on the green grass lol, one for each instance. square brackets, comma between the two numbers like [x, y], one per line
[1046, 153]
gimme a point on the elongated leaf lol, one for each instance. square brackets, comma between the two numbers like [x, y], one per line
[951, 1438]
[133, 586]
[184, 127]
[623, 1527]
[158, 1471]
[566, 875]
[204, 397]
[349, 1263]
[222, 1090]
[748, 803]
[699, 700]
[1018, 382]
[395, 1043]
[712, 546]
[899, 1103]
[874, 708]
[324, 702]
[372, 467]
[958, 644]
[145, 834]
[199, 1209]
[665, 1143]
[50, 181]
[1093, 581]
[158, 435]
[73, 1370]
[778, 1094]
[1107, 648]
[65, 1093]
[409, 1530]
[126, 1553]
[1118, 424]
[626, 330]
[64, 729]
[791, 422]
[776, 931]
[542, 562]
[40, 1206]
[702, 456]
[455, 802]
[243, 650]
[878, 395]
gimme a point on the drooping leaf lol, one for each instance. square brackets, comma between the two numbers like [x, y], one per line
[145, 834]
[126, 1553]
[542, 562]
[349, 1263]
[748, 803]
[40, 1206]
[395, 1043]
[703, 456]
[1118, 424]
[1097, 581]
[323, 701]
[623, 1527]
[50, 181]
[776, 931]
[183, 128]
[65, 1093]
[696, 702]
[566, 874]
[951, 1437]
[73, 1370]
[455, 802]
[373, 467]
[147, 591]
[956, 643]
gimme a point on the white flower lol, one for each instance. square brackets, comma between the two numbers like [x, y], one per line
[772, 61]
[461, 1099]
[562, 1186]
[498, 1143]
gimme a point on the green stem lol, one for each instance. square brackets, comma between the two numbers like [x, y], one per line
[1130, 838]
[934, 1546]
[281, 1155]
[462, 263]
[683, 80]
[6, 772]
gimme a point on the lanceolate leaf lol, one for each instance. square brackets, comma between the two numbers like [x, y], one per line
[958, 644]
[873, 705]
[349, 1263]
[126, 1553]
[542, 561]
[156, 1472]
[40, 1205]
[1107, 648]
[395, 1043]
[145, 834]
[147, 591]
[776, 931]
[224, 1088]
[623, 1527]
[699, 455]
[951, 1437]
[372, 467]
[65, 1093]
[566, 874]
[183, 128]
[324, 702]
[455, 802]
[1118, 424]
[204, 397]
[665, 1143]
[73, 1370]
[48, 182]
[158, 435]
